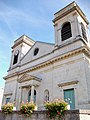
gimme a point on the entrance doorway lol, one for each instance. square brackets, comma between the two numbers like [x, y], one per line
[69, 97]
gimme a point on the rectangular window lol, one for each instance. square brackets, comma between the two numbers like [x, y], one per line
[7, 100]
[69, 97]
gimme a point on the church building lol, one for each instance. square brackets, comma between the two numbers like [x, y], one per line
[42, 71]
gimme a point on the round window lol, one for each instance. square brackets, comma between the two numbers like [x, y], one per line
[36, 51]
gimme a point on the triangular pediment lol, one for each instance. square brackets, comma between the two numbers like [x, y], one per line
[43, 49]
[27, 77]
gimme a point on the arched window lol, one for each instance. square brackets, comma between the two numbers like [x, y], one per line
[29, 96]
[83, 31]
[46, 95]
[34, 96]
[66, 31]
[16, 57]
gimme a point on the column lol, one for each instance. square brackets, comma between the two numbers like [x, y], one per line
[56, 35]
[24, 95]
[19, 98]
[59, 36]
[76, 26]
[79, 27]
[32, 93]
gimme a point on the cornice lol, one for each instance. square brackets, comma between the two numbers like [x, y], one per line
[67, 83]
[71, 10]
[56, 59]
[7, 94]
[84, 50]
[11, 75]
[21, 41]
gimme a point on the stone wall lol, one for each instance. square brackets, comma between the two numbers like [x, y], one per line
[41, 115]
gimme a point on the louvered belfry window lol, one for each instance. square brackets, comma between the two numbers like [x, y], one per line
[66, 31]
[83, 31]
[16, 57]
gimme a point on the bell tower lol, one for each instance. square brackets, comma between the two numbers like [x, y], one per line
[19, 49]
[70, 23]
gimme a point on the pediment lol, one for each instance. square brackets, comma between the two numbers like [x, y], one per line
[43, 49]
[27, 77]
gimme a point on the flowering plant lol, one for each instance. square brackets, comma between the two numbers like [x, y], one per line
[7, 108]
[27, 108]
[56, 108]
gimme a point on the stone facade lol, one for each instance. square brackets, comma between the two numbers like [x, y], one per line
[42, 71]
[41, 115]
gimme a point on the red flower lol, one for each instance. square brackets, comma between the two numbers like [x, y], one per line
[48, 113]
[58, 112]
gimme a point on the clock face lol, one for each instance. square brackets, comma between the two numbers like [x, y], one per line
[16, 52]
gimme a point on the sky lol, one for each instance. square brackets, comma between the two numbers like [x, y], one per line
[32, 18]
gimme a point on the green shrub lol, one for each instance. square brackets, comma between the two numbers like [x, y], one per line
[56, 108]
[7, 108]
[27, 108]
